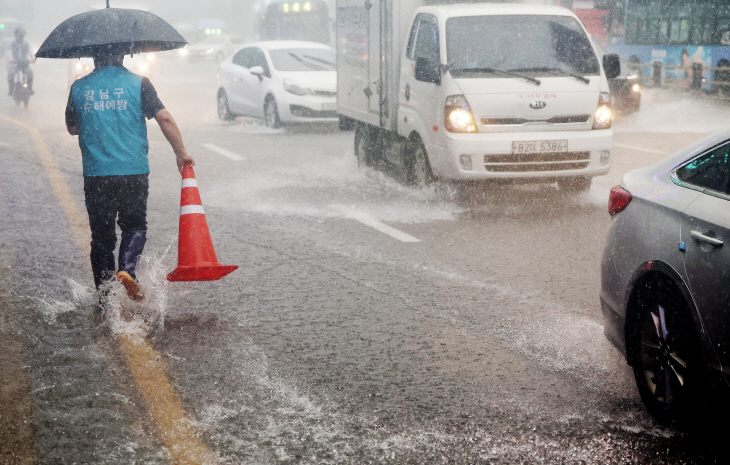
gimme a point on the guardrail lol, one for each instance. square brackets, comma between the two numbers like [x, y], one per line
[693, 76]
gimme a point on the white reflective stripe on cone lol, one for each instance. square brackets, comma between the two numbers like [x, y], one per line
[189, 182]
[188, 209]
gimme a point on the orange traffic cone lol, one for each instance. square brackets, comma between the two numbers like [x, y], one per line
[196, 259]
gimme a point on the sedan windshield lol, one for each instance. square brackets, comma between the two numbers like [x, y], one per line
[543, 45]
[304, 59]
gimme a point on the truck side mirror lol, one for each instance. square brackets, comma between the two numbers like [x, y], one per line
[611, 65]
[426, 71]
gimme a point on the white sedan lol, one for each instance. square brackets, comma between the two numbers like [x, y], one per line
[280, 82]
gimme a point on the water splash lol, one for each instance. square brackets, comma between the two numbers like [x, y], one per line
[146, 317]
[52, 309]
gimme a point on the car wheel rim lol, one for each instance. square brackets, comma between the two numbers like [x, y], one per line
[222, 106]
[664, 354]
[270, 114]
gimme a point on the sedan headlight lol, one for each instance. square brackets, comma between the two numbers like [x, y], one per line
[296, 89]
[604, 116]
[457, 115]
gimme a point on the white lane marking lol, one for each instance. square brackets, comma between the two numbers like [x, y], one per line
[222, 151]
[633, 147]
[368, 220]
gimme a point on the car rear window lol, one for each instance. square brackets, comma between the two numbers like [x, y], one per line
[303, 59]
[508, 42]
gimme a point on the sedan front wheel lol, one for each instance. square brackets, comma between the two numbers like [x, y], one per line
[271, 114]
[224, 112]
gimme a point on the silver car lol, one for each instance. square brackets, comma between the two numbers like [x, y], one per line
[665, 276]
[280, 81]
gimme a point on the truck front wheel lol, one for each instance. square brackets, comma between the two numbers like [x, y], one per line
[418, 168]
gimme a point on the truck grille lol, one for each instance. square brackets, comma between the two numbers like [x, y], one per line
[525, 162]
[568, 119]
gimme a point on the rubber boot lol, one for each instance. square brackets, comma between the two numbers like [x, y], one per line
[130, 248]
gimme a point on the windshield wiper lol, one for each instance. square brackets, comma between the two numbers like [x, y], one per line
[321, 60]
[554, 72]
[499, 71]
[299, 59]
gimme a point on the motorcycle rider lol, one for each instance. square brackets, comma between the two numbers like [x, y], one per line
[20, 57]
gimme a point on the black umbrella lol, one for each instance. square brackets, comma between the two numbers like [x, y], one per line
[110, 31]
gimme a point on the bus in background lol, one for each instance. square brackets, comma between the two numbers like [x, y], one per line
[593, 15]
[684, 43]
[308, 20]
[201, 29]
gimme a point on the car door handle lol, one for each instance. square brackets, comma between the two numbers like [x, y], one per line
[699, 237]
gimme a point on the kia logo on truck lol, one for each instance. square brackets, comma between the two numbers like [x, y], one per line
[538, 105]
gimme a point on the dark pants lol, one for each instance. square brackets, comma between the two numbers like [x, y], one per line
[107, 197]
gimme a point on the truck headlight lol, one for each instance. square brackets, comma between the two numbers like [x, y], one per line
[296, 89]
[604, 116]
[635, 88]
[457, 115]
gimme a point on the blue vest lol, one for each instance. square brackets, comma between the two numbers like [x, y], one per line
[112, 128]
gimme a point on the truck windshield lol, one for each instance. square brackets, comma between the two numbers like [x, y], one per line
[530, 44]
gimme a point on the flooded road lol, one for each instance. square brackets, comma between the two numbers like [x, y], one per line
[368, 322]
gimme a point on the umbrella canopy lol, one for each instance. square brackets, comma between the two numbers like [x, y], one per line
[110, 31]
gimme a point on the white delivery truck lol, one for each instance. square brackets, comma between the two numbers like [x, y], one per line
[474, 92]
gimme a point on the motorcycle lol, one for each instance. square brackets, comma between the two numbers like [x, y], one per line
[21, 91]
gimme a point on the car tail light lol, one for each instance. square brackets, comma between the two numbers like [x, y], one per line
[618, 200]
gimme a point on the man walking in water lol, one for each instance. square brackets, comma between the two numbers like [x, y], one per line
[106, 109]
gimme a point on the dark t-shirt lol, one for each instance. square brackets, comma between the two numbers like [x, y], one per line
[151, 103]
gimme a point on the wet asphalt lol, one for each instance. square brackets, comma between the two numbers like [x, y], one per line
[333, 342]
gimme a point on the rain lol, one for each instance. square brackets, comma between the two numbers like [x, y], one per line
[371, 233]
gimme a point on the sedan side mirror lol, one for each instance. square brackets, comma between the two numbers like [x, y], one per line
[611, 65]
[426, 71]
[257, 71]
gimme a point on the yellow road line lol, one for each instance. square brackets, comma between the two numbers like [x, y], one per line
[175, 429]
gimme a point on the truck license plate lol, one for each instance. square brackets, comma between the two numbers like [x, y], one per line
[329, 106]
[539, 146]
